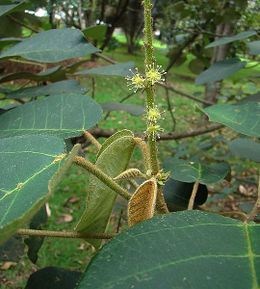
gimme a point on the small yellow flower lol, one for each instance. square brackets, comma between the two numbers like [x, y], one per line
[153, 114]
[136, 81]
[154, 131]
[155, 73]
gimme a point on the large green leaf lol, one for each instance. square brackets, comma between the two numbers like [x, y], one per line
[9, 40]
[52, 46]
[120, 69]
[6, 9]
[31, 166]
[254, 47]
[187, 250]
[113, 160]
[243, 118]
[133, 109]
[60, 87]
[52, 74]
[245, 148]
[65, 115]
[229, 39]
[187, 171]
[96, 33]
[220, 70]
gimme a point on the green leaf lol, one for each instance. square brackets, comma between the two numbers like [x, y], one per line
[96, 33]
[113, 160]
[114, 137]
[229, 39]
[60, 87]
[9, 40]
[121, 69]
[52, 74]
[187, 171]
[177, 195]
[58, 278]
[133, 109]
[220, 70]
[65, 115]
[187, 250]
[31, 167]
[251, 98]
[254, 47]
[245, 148]
[243, 118]
[52, 46]
[7, 9]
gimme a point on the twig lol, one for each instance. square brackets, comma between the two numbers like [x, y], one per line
[98, 132]
[254, 211]
[193, 195]
[23, 24]
[67, 234]
[170, 109]
[107, 180]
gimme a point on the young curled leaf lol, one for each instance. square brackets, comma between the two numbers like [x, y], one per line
[141, 206]
[129, 174]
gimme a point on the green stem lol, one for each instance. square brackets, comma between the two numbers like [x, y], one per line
[107, 180]
[66, 234]
[150, 60]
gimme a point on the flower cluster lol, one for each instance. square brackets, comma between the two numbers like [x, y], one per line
[135, 81]
[154, 74]
[153, 116]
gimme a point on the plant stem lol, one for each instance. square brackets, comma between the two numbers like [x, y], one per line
[254, 211]
[143, 147]
[60, 234]
[92, 139]
[107, 180]
[150, 60]
[193, 195]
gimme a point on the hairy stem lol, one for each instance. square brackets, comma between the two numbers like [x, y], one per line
[60, 234]
[143, 147]
[92, 139]
[193, 195]
[107, 180]
[150, 60]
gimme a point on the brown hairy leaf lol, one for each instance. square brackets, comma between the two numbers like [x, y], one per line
[129, 174]
[142, 204]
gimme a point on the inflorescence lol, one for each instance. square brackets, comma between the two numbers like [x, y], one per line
[154, 74]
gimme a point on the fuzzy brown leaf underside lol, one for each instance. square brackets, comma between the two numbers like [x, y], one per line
[142, 204]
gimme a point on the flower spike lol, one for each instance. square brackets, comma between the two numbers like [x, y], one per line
[155, 73]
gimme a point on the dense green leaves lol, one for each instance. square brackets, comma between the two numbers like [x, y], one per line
[254, 47]
[31, 167]
[220, 70]
[243, 118]
[245, 148]
[226, 40]
[188, 250]
[113, 160]
[130, 108]
[66, 115]
[121, 69]
[60, 87]
[52, 46]
[187, 171]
